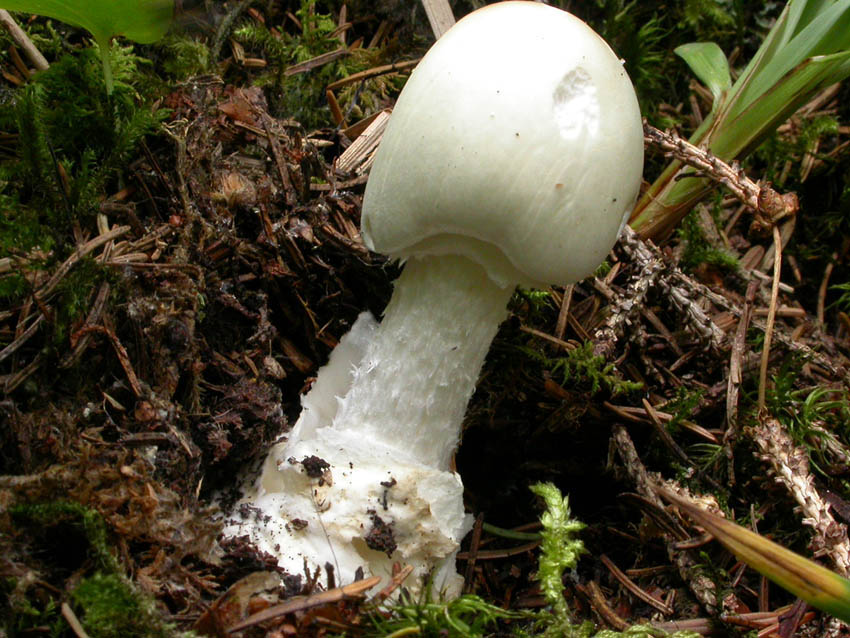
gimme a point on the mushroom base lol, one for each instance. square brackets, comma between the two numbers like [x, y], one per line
[363, 480]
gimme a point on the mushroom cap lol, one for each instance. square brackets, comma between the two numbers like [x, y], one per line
[517, 142]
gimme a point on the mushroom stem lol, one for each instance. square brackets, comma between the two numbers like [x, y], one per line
[413, 385]
[364, 478]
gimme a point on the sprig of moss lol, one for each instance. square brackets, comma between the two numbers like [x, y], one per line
[73, 145]
[559, 548]
[580, 367]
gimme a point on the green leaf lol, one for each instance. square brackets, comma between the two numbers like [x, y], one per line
[805, 51]
[142, 21]
[825, 34]
[745, 128]
[814, 583]
[708, 63]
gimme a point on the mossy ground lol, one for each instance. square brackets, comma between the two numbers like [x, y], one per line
[164, 361]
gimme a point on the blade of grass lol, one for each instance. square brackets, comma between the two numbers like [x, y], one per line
[827, 33]
[744, 130]
[708, 63]
[812, 582]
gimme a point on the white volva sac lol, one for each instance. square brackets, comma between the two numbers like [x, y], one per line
[513, 156]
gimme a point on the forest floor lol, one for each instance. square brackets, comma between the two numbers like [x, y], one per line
[178, 259]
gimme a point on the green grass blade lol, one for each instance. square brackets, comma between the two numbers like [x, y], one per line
[709, 64]
[826, 34]
[745, 129]
[802, 577]
[805, 51]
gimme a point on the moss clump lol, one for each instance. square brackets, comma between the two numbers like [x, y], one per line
[110, 607]
[28, 618]
[73, 143]
[302, 95]
[87, 520]
[184, 56]
[580, 368]
[698, 250]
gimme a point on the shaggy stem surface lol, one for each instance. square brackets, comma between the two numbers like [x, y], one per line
[412, 387]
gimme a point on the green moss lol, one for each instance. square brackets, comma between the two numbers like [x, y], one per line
[698, 251]
[639, 37]
[709, 19]
[816, 418]
[184, 56]
[111, 607]
[73, 143]
[560, 547]
[73, 296]
[580, 368]
[89, 521]
[28, 618]
[682, 406]
[538, 301]
[468, 616]
[302, 95]
[107, 603]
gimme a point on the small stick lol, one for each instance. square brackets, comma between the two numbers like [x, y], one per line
[824, 287]
[474, 548]
[600, 605]
[120, 351]
[736, 377]
[373, 72]
[564, 313]
[629, 584]
[399, 576]
[355, 590]
[769, 205]
[439, 15]
[23, 40]
[71, 618]
[771, 319]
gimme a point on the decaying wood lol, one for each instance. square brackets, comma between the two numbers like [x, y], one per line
[440, 16]
[358, 157]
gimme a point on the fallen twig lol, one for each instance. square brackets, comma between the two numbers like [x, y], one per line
[770, 205]
[299, 603]
[23, 40]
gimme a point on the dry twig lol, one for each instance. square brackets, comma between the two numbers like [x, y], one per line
[790, 465]
[770, 206]
[23, 40]
[299, 603]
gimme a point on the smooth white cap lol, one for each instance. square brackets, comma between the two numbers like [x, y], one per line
[517, 142]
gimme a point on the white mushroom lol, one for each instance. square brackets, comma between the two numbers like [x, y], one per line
[513, 156]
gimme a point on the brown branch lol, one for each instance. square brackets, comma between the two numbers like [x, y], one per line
[770, 206]
[22, 40]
